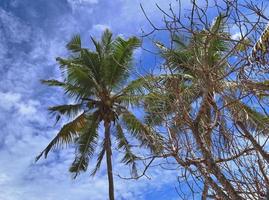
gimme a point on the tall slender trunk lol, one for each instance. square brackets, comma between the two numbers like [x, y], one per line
[208, 137]
[108, 161]
[213, 167]
[205, 190]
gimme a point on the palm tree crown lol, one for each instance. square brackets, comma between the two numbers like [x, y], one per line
[97, 81]
[202, 94]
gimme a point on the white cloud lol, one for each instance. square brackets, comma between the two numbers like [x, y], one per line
[13, 29]
[236, 36]
[8, 100]
[81, 3]
[98, 29]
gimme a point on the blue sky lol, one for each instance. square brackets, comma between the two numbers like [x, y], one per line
[32, 34]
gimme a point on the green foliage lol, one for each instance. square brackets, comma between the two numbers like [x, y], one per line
[255, 120]
[129, 157]
[85, 146]
[191, 63]
[142, 132]
[99, 159]
[68, 110]
[96, 79]
[66, 135]
[75, 44]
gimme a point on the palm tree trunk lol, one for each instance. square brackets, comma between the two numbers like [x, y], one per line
[205, 190]
[108, 161]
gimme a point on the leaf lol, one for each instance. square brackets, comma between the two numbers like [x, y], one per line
[136, 90]
[99, 159]
[66, 135]
[179, 41]
[218, 24]
[53, 83]
[142, 132]
[72, 90]
[129, 157]
[106, 41]
[116, 67]
[254, 119]
[69, 110]
[85, 147]
[98, 48]
[92, 62]
[148, 83]
[243, 45]
[260, 49]
[75, 44]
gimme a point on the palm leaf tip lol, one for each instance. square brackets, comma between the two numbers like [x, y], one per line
[52, 82]
[106, 38]
[69, 110]
[161, 46]
[218, 23]
[66, 135]
[99, 159]
[85, 147]
[75, 44]
[143, 133]
[129, 157]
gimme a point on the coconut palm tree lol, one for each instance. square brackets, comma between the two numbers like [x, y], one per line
[198, 74]
[96, 80]
[191, 64]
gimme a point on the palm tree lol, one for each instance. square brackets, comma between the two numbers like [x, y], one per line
[260, 48]
[192, 64]
[97, 81]
[198, 72]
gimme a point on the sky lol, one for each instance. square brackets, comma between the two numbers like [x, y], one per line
[32, 34]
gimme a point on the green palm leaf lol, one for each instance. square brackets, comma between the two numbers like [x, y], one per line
[106, 41]
[66, 135]
[71, 90]
[75, 44]
[142, 132]
[70, 110]
[85, 146]
[99, 159]
[255, 120]
[118, 65]
[53, 83]
[94, 79]
[129, 157]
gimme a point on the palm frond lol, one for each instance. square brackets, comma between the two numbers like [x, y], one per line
[91, 60]
[218, 24]
[98, 47]
[136, 90]
[85, 147]
[106, 41]
[70, 110]
[180, 41]
[75, 44]
[148, 83]
[142, 132]
[53, 82]
[72, 90]
[157, 106]
[82, 78]
[99, 159]
[260, 49]
[254, 119]
[117, 67]
[66, 135]
[129, 157]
